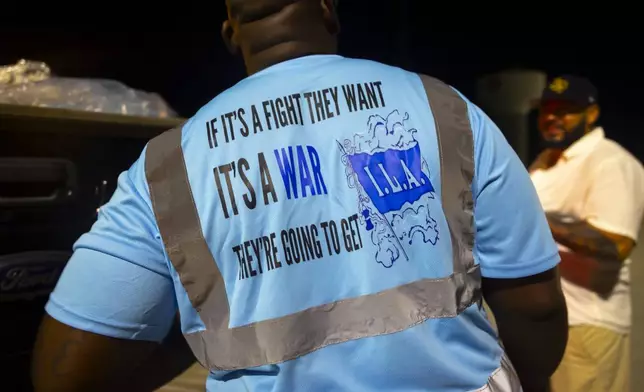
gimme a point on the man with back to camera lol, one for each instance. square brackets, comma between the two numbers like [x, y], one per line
[327, 224]
[591, 189]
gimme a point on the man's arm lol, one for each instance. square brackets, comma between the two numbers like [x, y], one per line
[534, 332]
[582, 237]
[109, 316]
[596, 256]
[518, 258]
[168, 360]
[601, 242]
[69, 359]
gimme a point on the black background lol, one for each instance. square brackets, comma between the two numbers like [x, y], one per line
[188, 68]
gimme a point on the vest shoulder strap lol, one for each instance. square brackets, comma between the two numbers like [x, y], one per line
[456, 149]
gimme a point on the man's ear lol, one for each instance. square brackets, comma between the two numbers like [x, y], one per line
[227, 34]
[330, 15]
[592, 114]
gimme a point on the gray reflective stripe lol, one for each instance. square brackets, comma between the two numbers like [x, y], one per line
[179, 224]
[504, 379]
[457, 167]
[220, 347]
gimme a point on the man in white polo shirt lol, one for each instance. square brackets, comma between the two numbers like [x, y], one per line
[593, 193]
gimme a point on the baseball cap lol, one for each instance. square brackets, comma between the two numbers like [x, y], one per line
[576, 90]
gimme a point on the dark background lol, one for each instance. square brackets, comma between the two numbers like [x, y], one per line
[188, 68]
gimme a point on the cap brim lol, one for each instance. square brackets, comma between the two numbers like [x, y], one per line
[561, 103]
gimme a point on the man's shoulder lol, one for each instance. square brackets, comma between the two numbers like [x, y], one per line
[610, 151]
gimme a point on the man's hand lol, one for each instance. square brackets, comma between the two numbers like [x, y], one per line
[598, 277]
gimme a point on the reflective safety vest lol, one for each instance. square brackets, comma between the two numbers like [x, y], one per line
[220, 347]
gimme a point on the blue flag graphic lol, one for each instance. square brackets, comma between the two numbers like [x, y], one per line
[392, 177]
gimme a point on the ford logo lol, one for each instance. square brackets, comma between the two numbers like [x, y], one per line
[30, 274]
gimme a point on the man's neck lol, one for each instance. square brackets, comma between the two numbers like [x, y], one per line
[281, 53]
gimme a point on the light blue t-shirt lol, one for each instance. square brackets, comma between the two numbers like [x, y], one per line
[269, 166]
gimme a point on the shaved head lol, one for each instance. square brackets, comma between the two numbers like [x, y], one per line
[266, 32]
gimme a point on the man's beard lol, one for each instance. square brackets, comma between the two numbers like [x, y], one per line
[569, 137]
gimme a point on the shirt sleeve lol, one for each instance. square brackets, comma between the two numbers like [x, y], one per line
[117, 283]
[615, 200]
[512, 238]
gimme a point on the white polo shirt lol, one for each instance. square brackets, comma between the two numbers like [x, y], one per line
[598, 181]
